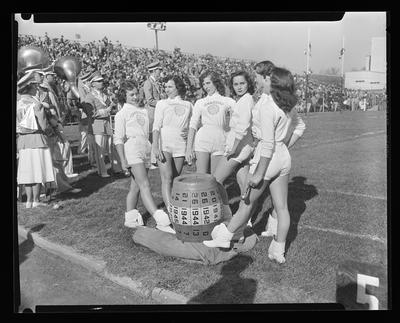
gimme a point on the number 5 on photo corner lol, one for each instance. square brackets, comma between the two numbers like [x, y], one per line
[361, 286]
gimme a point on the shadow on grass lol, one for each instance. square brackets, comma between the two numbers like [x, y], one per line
[298, 193]
[231, 288]
[27, 246]
[89, 185]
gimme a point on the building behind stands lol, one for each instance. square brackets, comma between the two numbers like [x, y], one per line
[374, 76]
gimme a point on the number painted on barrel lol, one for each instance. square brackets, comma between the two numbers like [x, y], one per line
[362, 296]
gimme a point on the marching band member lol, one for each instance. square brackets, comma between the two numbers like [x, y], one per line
[131, 138]
[64, 145]
[55, 139]
[84, 89]
[35, 164]
[209, 143]
[239, 142]
[101, 122]
[271, 163]
[152, 90]
[171, 120]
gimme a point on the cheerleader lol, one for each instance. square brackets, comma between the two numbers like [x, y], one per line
[239, 141]
[271, 163]
[209, 144]
[35, 164]
[131, 138]
[171, 121]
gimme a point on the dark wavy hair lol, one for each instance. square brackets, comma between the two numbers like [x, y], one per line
[125, 87]
[247, 77]
[283, 89]
[264, 68]
[216, 79]
[179, 84]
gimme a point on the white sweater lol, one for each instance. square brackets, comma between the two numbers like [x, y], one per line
[130, 121]
[274, 124]
[172, 113]
[241, 117]
[212, 111]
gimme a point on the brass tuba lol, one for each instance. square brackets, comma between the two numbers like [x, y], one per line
[68, 68]
[32, 56]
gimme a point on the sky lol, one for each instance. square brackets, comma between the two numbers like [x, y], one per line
[283, 43]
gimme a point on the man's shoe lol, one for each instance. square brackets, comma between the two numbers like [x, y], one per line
[36, 204]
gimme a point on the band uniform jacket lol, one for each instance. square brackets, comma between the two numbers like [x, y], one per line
[152, 92]
[101, 119]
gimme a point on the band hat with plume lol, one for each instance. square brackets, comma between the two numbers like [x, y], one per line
[34, 68]
[49, 70]
[153, 66]
[86, 77]
[27, 79]
[96, 77]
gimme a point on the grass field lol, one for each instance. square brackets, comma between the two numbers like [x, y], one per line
[338, 206]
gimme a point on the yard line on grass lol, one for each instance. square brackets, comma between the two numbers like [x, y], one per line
[342, 192]
[333, 141]
[354, 194]
[345, 233]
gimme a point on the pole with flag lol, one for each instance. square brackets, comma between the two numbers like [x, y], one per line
[308, 53]
[341, 57]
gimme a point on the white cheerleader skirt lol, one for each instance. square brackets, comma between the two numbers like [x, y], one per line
[172, 142]
[35, 166]
[210, 139]
[280, 163]
[138, 150]
[245, 148]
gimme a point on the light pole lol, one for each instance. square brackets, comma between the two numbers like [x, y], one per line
[156, 26]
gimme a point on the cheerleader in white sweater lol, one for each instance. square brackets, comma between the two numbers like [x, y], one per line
[171, 123]
[211, 111]
[271, 163]
[133, 147]
[239, 140]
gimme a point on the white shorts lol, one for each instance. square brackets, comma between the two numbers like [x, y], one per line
[138, 150]
[172, 142]
[244, 149]
[210, 139]
[280, 163]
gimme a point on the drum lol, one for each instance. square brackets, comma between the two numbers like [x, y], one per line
[195, 207]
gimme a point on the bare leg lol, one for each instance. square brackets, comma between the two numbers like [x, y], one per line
[178, 163]
[166, 172]
[133, 196]
[224, 168]
[241, 177]
[142, 180]
[279, 194]
[36, 192]
[202, 162]
[214, 162]
[29, 192]
[243, 213]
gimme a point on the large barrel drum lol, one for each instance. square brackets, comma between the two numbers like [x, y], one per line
[195, 207]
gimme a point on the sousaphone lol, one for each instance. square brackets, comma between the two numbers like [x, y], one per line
[68, 68]
[32, 57]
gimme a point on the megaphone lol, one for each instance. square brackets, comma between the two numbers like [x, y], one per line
[32, 56]
[68, 68]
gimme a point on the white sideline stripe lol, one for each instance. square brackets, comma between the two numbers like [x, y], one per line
[345, 233]
[343, 139]
[354, 194]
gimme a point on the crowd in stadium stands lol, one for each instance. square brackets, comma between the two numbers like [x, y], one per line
[118, 63]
